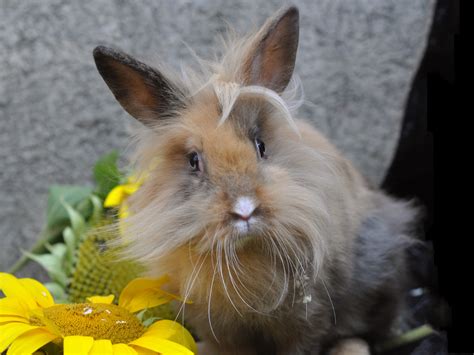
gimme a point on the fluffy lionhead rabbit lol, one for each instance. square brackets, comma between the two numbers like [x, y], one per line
[279, 243]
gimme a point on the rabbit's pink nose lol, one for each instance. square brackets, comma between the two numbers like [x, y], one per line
[244, 208]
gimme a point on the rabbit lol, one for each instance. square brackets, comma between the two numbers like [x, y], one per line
[275, 242]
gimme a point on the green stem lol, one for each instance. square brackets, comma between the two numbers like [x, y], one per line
[406, 338]
[46, 236]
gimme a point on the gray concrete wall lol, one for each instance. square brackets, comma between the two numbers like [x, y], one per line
[356, 60]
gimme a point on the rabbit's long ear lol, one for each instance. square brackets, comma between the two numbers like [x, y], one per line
[271, 60]
[141, 90]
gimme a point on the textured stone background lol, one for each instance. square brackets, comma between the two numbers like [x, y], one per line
[356, 60]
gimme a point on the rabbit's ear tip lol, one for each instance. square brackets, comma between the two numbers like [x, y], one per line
[100, 50]
[290, 11]
[293, 10]
[293, 14]
[103, 51]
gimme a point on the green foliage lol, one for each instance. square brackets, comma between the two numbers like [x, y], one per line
[61, 259]
[62, 195]
[74, 206]
[107, 174]
[75, 249]
[408, 337]
[57, 291]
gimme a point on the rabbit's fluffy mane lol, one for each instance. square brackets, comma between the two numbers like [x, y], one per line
[160, 234]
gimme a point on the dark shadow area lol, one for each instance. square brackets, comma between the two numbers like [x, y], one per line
[411, 175]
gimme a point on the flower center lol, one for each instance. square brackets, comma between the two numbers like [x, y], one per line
[98, 320]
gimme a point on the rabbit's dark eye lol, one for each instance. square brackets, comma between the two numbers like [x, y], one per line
[194, 161]
[260, 147]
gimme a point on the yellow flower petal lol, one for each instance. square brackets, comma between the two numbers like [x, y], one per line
[119, 193]
[170, 330]
[123, 211]
[144, 293]
[13, 307]
[10, 319]
[143, 351]
[122, 349]
[101, 299]
[115, 197]
[77, 344]
[102, 347]
[12, 287]
[162, 346]
[131, 188]
[29, 342]
[40, 293]
[11, 331]
[138, 179]
[148, 299]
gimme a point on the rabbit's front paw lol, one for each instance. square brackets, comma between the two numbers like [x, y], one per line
[353, 346]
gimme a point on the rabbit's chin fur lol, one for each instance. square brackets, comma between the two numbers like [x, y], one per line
[281, 248]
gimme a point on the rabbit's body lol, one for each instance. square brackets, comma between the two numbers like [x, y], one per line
[360, 282]
[258, 220]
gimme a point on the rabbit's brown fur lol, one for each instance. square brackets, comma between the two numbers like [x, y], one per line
[321, 257]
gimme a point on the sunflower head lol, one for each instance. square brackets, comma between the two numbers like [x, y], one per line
[98, 320]
[29, 319]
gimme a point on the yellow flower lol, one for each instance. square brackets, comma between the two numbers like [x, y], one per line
[119, 194]
[29, 319]
[117, 197]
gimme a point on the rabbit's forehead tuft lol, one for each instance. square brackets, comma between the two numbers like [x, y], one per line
[204, 116]
[202, 120]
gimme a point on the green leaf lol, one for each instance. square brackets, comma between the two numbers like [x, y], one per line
[149, 321]
[410, 336]
[97, 208]
[78, 222]
[48, 235]
[84, 208]
[57, 214]
[58, 250]
[53, 265]
[57, 291]
[107, 174]
[141, 315]
[70, 240]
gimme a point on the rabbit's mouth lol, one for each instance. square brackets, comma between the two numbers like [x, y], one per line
[246, 231]
[244, 227]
